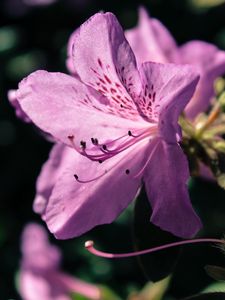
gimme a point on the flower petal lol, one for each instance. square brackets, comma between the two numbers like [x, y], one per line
[75, 207]
[104, 60]
[57, 161]
[165, 41]
[211, 63]
[63, 106]
[146, 40]
[165, 180]
[167, 88]
[15, 103]
[69, 61]
[38, 254]
[35, 286]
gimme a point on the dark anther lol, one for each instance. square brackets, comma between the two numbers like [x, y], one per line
[129, 133]
[121, 105]
[94, 141]
[83, 144]
[100, 161]
[75, 176]
[70, 137]
[104, 147]
[127, 171]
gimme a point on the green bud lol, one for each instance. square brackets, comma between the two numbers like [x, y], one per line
[219, 146]
[221, 180]
[219, 85]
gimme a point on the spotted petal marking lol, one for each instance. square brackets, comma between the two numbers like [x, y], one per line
[120, 101]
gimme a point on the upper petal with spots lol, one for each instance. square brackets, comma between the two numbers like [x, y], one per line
[166, 90]
[104, 60]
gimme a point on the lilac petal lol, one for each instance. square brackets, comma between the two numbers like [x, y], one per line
[75, 208]
[58, 159]
[167, 90]
[211, 63]
[40, 277]
[15, 103]
[144, 40]
[165, 180]
[78, 286]
[38, 254]
[63, 106]
[36, 286]
[165, 41]
[104, 60]
[69, 61]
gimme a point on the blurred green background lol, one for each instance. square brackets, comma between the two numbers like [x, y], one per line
[35, 37]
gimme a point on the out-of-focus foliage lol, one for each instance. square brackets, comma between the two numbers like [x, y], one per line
[206, 3]
[35, 37]
[152, 291]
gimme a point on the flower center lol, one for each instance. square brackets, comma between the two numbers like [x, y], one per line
[103, 151]
[100, 152]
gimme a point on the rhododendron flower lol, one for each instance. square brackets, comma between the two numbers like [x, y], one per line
[117, 128]
[40, 277]
[151, 41]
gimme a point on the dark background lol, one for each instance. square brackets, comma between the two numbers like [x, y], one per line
[34, 38]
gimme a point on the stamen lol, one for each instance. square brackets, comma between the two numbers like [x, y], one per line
[89, 180]
[83, 144]
[96, 157]
[89, 245]
[146, 163]
[71, 137]
[127, 143]
[138, 135]
[94, 141]
[127, 171]
[104, 149]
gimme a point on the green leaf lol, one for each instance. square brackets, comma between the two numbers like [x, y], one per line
[8, 38]
[108, 294]
[152, 291]
[206, 3]
[78, 297]
[221, 180]
[207, 296]
[217, 273]
[215, 287]
[159, 265]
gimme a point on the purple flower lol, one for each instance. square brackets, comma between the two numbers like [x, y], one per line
[117, 129]
[151, 41]
[40, 277]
